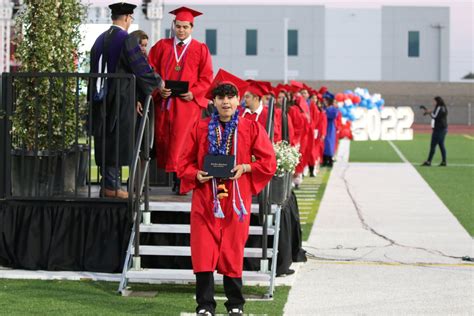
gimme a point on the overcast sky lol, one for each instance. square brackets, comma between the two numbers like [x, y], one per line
[461, 11]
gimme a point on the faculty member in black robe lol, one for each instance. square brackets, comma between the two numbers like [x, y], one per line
[115, 51]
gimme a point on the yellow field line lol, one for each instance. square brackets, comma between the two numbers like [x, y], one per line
[469, 136]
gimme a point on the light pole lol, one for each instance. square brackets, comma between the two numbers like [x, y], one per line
[440, 48]
[6, 11]
[285, 50]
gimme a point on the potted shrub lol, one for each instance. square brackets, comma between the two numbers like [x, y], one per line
[287, 159]
[46, 120]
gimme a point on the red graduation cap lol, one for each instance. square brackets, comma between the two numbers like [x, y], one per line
[224, 77]
[296, 85]
[323, 90]
[308, 88]
[257, 88]
[280, 87]
[185, 14]
[268, 87]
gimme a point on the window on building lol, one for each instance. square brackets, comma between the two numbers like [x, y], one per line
[211, 41]
[167, 33]
[251, 43]
[413, 44]
[292, 42]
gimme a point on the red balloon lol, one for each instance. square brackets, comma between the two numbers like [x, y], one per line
[340, 97]
[356, 99]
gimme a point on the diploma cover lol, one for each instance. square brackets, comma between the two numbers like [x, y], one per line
[219, 166]
[177, 87]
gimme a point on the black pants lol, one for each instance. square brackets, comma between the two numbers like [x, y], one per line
[437, 138]
[205, 292]
[327, 161]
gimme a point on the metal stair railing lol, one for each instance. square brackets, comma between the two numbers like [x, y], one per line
[139, 182]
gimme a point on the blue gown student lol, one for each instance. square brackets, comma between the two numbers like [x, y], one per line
[330, 140]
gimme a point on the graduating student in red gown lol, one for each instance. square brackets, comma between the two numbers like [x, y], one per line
[312, 151]
[278, 132]
[179, 58]
[254, 108]
[220, 207]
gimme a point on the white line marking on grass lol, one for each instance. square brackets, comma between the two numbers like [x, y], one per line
[402, 157]
[468, 137]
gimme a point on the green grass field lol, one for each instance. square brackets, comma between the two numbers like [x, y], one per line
[311, 188]
[454, 184]
[26, 297]
[373, 151]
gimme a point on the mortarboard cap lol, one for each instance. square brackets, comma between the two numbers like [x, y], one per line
[122, 8]
[307, 88]
[296, 85]
[257, 88]
[328, 95]
[224, 77]
[268, 87]
[185, 14]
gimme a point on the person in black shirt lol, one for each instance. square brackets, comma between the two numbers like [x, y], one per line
[439, 123]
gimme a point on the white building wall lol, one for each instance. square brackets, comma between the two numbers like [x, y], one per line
[353, 44]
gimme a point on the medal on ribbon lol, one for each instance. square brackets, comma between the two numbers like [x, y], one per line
[178, 59]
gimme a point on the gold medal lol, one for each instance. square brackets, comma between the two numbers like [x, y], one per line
[177, 68]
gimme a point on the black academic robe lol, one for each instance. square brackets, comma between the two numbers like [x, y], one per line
[118, 112]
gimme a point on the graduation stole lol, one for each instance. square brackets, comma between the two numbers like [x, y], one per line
[220, 144]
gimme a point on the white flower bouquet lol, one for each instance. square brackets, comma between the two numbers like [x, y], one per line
[287, 158]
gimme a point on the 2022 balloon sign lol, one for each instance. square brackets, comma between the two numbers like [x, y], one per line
[389, 123]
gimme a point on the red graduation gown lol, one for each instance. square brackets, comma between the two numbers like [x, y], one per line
[312, 152]
[262, 118]
[338, 129]
[323, 126]
[304, 130]
[174, 120]
[278, 133]
[219, 243]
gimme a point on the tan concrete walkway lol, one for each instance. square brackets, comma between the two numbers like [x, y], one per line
[383, 243]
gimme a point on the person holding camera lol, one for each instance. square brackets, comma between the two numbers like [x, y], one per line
[439, 123]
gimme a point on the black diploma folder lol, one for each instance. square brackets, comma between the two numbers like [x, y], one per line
[177, 87]
[219, 166]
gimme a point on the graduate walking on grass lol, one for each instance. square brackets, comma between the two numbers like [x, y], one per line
[220, 210]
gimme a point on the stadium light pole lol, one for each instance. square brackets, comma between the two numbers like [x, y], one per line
[285, 50]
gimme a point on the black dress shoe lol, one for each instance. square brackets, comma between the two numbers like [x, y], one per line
[205, 312]
[426, 163]
[289, 272]
[236, 312]
[443, 164]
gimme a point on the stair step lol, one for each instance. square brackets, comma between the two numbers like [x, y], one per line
[185, 251]
[175, 276]
[184, 229]
[186, 207]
